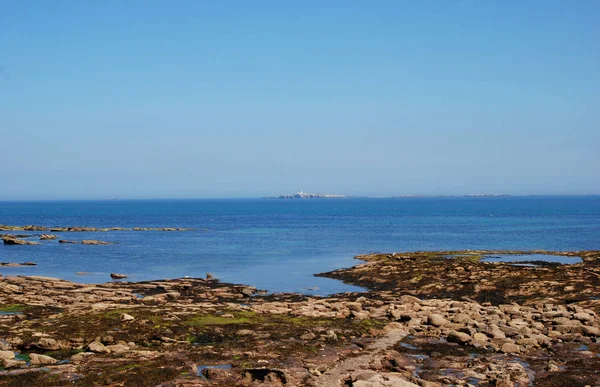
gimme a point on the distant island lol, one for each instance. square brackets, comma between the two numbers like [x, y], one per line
[306, 195]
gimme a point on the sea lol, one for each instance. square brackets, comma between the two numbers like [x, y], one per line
[278, 245]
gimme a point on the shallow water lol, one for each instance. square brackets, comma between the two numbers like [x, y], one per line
[531, 258]
[278, 245]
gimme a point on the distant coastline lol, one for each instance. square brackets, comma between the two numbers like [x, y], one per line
[306, 195]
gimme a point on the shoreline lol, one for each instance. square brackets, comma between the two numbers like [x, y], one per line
[201, 332]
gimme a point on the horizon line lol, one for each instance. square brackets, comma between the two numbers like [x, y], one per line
[409, 196]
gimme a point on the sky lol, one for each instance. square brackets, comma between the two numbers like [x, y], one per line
[231, 99]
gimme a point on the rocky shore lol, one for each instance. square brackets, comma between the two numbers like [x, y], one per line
[429, 319]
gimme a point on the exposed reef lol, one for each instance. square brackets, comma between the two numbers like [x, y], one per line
[425, 322]
[4, 227]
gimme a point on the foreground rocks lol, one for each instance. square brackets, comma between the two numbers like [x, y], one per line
[200, 332]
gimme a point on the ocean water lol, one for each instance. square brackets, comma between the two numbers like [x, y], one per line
[278, 245]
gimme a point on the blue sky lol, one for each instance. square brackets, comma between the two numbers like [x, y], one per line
[196, 99]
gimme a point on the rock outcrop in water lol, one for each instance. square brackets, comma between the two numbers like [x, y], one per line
[4, 227]
[10, 240]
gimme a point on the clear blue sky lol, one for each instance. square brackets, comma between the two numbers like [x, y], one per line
[196, 99]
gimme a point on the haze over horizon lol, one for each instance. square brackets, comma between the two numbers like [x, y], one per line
[236, 99]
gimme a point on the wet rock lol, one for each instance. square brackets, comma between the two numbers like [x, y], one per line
[94, 242]
[118, 276]
[64, 241]
[9, 240]
[82, 229]
[34, 228]
[269, 375]
[10, 264]
[42, 359]
[217, 375]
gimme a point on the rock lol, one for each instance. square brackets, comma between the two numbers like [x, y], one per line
[81, 229]
[94, 242]
[354, 306]
[127, 317]
[35, 228]
[436, 320]
[98, 347]
[582, 316]
[9, 363]
[360, 315]
[528, 342]
[480, 337]
[48, 344]
[590, 331]
[406, 299]
[269, 375]
[47, 237]
[219, 376]
[330, 335]
[496, 333]
[510, 348]
[63, 241]
[117, 276]
[458, 337]
[81, 356]
[308, 336]
[9, 240]
[118, 348]
[41, 359]
[7, 355]
[247, 292]
[11, 264]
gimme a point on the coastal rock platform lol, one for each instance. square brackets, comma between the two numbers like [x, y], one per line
[424, 322]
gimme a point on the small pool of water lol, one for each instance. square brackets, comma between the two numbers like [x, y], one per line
[531, 258]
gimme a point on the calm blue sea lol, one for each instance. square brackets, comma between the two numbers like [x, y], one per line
[279, 244]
